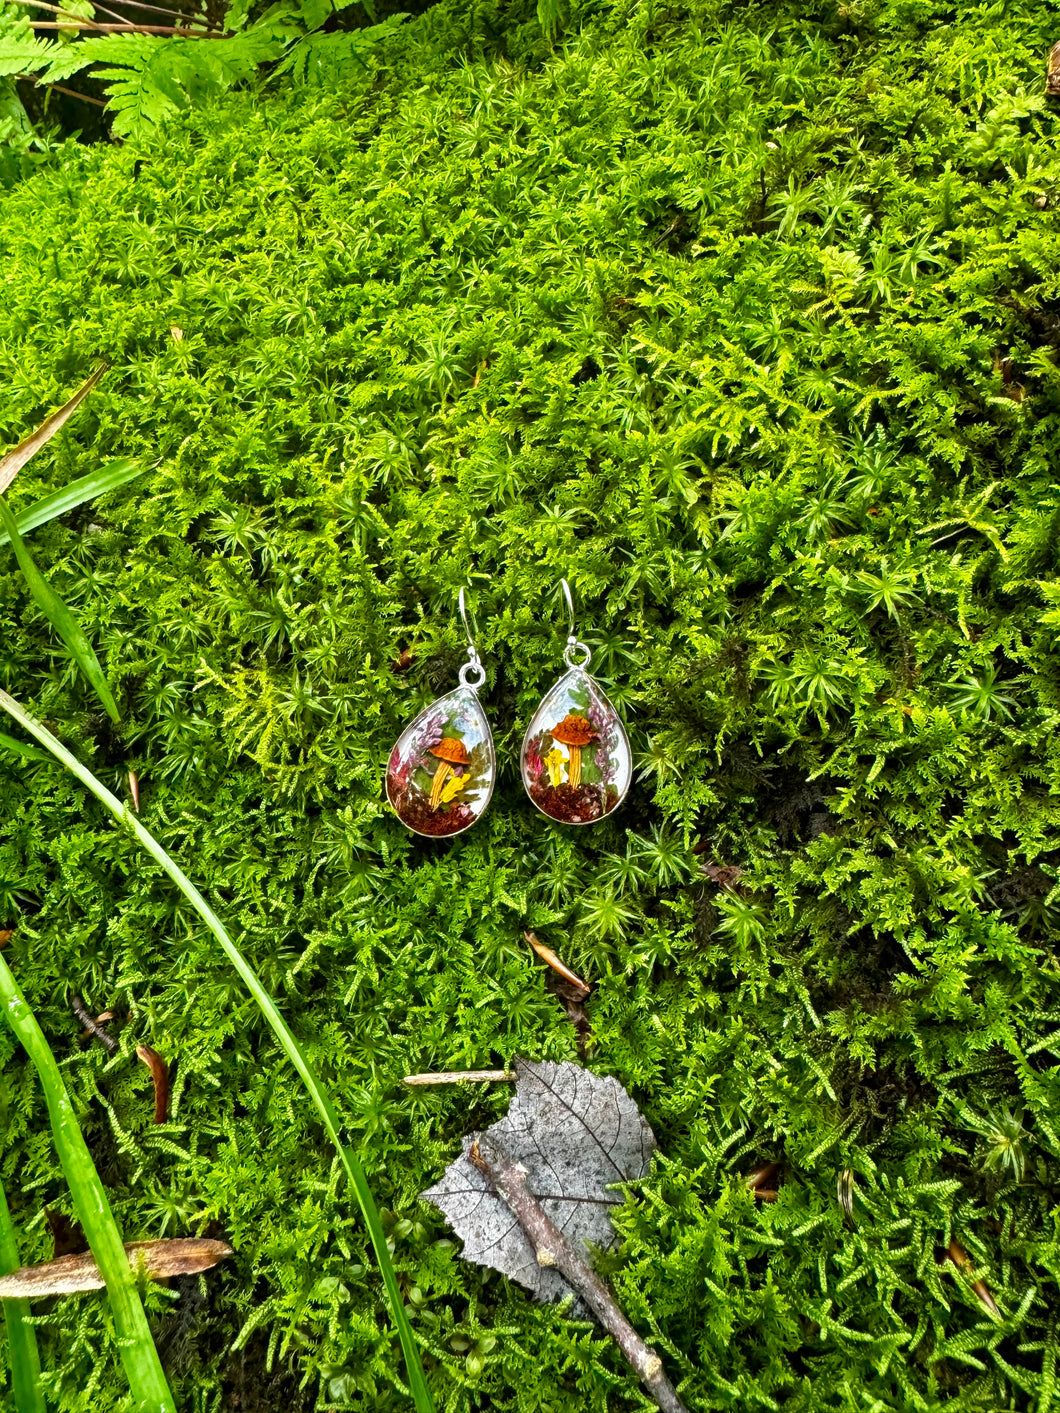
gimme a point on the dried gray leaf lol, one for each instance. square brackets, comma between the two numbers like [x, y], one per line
[158, 1260]
[575, 1133]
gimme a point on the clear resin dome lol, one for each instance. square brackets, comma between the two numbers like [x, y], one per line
[440, 774]
[576, 761]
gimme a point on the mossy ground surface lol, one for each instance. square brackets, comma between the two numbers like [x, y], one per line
[746, 320]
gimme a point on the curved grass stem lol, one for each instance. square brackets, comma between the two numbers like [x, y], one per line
[21, 1337]
[137, 1348]
[290, 1046]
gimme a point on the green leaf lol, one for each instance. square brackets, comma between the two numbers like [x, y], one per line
[549, 14]
[9, 743]
[107, 478]
[22, 1350]
[290, 1046]
[135, 1345]
[57, 614]
[23, 54]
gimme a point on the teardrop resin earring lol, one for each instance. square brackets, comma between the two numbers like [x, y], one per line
[575, 759]
[440, 774]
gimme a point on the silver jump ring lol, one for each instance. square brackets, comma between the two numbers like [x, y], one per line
[573, 646]
[472, 675]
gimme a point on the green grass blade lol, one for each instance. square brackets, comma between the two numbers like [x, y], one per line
[13, 462]
[21, 1336]
[9, 743]
[290, 1046]
[57, 614]
[142, 1366]
[107, 478]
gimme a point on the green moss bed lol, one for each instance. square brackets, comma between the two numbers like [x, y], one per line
[745, 318]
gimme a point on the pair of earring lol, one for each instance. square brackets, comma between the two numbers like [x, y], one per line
[575, 758]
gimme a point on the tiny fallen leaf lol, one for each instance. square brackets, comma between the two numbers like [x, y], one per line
[158, 1260]
[724, 875]
[573, 1000]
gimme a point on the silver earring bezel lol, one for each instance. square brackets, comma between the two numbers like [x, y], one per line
[470, 678]
[575, 648]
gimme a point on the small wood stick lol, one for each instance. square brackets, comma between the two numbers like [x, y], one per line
[134, 790]
[92, 1027]
[458, 1077]
[160, 1074]
[159, 1260]
[508, 1180]
[548, 955]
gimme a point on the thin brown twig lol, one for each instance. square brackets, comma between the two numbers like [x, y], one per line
[157, 1260]
[58, 9]
[508, 1180]
[458, 1077]
[122, 29]
[103, 9]
[158, 10]
[70, 92]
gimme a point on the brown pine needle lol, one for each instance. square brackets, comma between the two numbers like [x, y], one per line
[548, 955]
[160, 1074]
[959, 1257]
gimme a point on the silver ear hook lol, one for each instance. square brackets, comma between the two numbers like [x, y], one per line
[573, 645]
[573, 637]
[473, 668]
